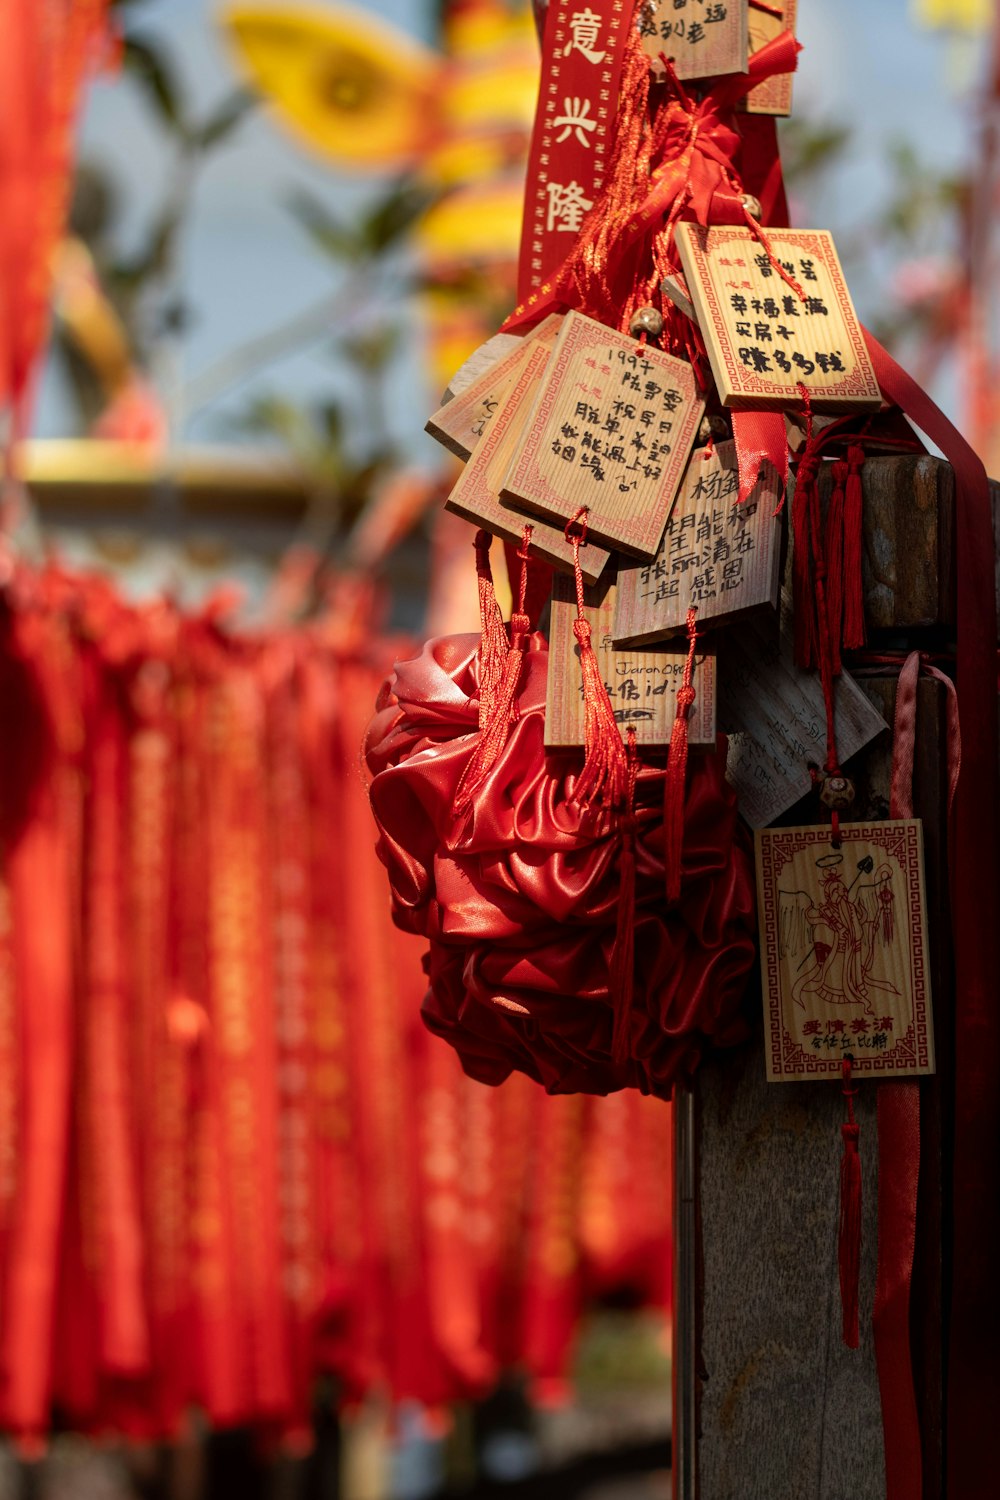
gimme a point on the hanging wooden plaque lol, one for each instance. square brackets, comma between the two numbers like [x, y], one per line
[717, 557]
[461, 422]
[774, 715]
[702, 38]
[764, 341]
[843, 945]
[774, 95]
[642, 683]
[674, 288]
[475, 496]
[612, 431]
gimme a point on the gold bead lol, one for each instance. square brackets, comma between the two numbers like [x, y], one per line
[752, 206]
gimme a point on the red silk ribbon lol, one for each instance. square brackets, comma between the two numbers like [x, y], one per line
[581, 67]
[760, 438]
[702, 143]
[899, 1146]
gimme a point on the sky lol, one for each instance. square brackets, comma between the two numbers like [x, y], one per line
[246, 266]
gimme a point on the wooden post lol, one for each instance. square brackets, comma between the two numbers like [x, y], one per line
[781, 1408]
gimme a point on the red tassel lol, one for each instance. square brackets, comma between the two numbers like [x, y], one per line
[849, 1242]
[505, 675]
[834, 549]
[623, 953]
[604, 777]
[492, 632]
[854, 609]
[676, 777]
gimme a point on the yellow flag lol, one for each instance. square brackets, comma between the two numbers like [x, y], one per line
[954, 15]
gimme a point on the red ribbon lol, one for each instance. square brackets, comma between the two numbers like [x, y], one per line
[899, 1147]
[702, 143]
[973, 1379]
[48, 47]
[566, 163]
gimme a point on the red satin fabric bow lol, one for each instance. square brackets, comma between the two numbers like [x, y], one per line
[519, 900]
[699, 145]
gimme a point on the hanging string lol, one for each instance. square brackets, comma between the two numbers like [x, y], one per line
[676, 777]
[623, 953]
[503, 706]
[757, 231]
[604, 777]
[849, 1238]
[804, 608]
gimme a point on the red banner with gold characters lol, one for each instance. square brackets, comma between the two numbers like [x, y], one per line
[49, 47]
[582, 51]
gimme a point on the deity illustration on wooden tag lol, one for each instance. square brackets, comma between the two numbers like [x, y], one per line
[717, 556]
[461, 422]
[612, 431]
[702, 38]
[642, 682]
[843, 942]
[475, 496]
[774, 95]
[774, 715]
[764, 340]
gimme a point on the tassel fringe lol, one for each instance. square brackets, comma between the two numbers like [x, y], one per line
[500, 670]
[604, 776]
[492, 632]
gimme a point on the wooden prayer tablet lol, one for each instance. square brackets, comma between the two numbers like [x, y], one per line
[612, 430]
[475, 496]
[774, 95]
[763, 339]
[776, 721]
[461, 422]
[642, 683]
[702, 38]
[718, 557]
[843, 951]
[674, 288]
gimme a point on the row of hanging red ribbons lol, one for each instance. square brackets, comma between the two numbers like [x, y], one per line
[231, 1156]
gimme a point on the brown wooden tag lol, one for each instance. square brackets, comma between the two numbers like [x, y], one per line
[642, 683]
[703, 38]
[461, 422]
[475, 496]
[763, 340]
[776, 721]
[718, 557]
[612, 430]
[843, 951]
[774, 95]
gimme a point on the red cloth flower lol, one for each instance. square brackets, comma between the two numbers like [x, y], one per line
[519, 898]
